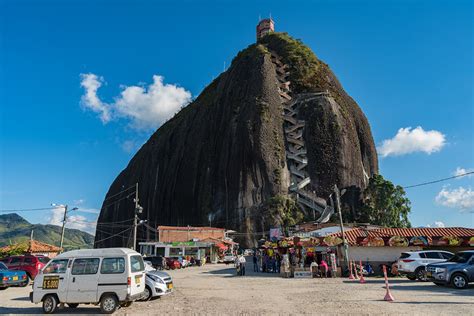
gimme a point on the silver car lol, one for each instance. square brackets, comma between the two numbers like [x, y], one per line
[157, 283]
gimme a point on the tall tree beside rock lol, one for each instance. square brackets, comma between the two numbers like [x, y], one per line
[385, 204]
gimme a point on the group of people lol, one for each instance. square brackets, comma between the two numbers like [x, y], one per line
[266, 263]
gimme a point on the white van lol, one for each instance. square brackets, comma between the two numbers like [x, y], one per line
[110, 277]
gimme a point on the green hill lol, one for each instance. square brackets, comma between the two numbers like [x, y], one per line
[15, 229]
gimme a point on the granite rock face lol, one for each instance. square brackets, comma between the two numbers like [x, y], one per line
[221, 156]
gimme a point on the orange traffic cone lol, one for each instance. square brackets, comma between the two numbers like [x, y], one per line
[351, 276]
[362, 280]
[388, 296]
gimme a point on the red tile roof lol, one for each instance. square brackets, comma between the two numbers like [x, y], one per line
[32, 246]
[353, 234]
[187, 228]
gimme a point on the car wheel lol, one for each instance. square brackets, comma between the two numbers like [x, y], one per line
[27, 281]
[459, 281]
[73, 305]
[411, 277]
[420, 274]
[146, 294]
[108, 304]
[50, 304]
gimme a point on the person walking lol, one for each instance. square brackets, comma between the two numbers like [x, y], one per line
[242, 262]
[255, 262]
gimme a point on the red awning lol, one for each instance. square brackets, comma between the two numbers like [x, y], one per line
[221, 246]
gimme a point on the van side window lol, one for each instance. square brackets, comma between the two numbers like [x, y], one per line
[56, 266]
[136, 264]
[85, 266]
[112, 265]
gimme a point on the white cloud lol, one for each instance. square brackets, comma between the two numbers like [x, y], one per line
[437, 224]
[410, 140]
[90, 100]
[128, 146]
[460, 198]
[145, 107]
[74, 221]
[460, 171]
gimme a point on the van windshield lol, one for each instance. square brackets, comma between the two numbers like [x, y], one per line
[136, 264]
[56, 266]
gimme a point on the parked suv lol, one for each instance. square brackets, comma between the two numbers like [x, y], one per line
[457, 271]
[413, 263]
[28, 263]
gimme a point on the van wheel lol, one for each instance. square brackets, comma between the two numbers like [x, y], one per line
[73, 305]
[459, 281]
[50, 304]
[108, 304]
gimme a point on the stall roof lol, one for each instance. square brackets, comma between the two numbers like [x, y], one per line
[353, 234]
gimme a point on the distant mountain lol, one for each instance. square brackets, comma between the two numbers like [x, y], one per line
[14, 229]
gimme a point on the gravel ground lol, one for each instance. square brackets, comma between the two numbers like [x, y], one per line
[214, 289]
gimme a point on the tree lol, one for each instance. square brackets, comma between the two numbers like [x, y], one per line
[385, 204]
[282, 211]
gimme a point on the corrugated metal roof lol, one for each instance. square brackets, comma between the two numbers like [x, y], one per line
[353, 234]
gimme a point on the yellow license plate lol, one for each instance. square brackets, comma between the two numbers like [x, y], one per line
[51, 282]
[170, 286]
[138, 278]
[15, 278]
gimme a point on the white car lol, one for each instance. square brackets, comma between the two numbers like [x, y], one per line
[157, 283]
[111, 277]
[413, 263]
[228, 258]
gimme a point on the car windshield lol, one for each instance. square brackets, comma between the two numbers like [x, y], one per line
[3, 266]
[461, 257]
[43, 259]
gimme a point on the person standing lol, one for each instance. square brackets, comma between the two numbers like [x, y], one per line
[242, 262]
[255, 262]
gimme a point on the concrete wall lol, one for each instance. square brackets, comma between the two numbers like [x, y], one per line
[378, 254]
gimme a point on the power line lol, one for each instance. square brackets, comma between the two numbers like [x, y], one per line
[120, 233]
[440, 180]
[26, 210]
[133, 186]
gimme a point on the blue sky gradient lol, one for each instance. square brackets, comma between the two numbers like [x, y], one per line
[406, 63]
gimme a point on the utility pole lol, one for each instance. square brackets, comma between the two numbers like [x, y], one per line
[344, 241]
[138, 210]
[135, 218]
[64, 227]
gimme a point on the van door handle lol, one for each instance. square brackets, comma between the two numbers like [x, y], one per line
[73, 279]
[61, 278]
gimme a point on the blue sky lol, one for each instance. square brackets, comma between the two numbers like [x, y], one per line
[406, 63]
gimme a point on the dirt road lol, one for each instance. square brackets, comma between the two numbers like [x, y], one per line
[214, 289]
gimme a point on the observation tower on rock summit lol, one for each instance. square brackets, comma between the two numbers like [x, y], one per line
[264, 27]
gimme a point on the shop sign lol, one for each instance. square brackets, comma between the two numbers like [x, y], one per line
[371, 241]
[332, 241]
[275, 234]
[452, 241]
[303, 274]
[398, 241]
[182, 243]
[419, 241]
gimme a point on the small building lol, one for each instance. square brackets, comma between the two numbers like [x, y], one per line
[182, 241]
[264, 27]
[32, 247]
